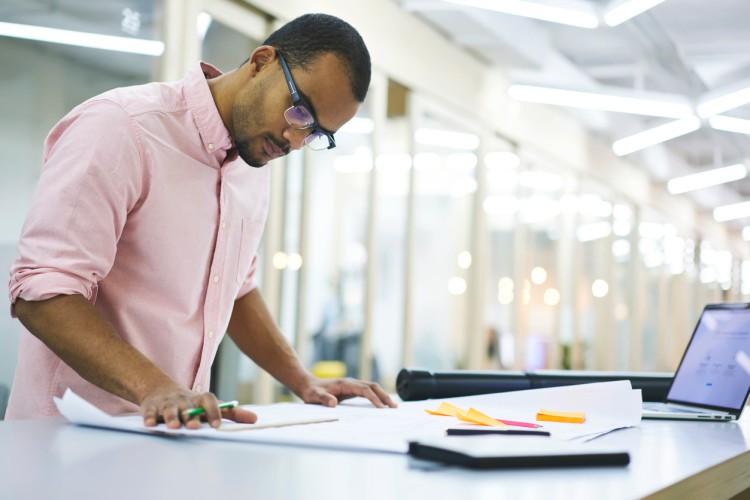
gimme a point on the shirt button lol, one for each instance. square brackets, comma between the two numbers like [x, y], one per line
[197, 388]
[211, 146]
[210, 334]
[216, 278]
[223, 224]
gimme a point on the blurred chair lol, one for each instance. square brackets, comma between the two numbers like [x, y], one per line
[340, 351]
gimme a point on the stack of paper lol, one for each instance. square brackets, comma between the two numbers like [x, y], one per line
[356, 424]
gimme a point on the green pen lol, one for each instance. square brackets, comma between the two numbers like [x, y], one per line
[200, 410]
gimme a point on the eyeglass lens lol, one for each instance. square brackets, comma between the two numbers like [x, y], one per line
[317, 141]
[299, 117]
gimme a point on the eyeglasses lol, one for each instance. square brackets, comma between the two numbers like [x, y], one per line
[301, 116]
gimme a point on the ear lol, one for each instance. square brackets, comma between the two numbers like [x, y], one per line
[262, 57]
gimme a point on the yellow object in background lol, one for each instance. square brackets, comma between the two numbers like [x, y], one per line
[329, 369]
[569, 417]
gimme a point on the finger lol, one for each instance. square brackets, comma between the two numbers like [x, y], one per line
[171, 414]
[240, 416]
[328, 399]
[368, 393]
[150, 415]
[321, 395]
[211, 406]
[191, 421]
[382, 395]
[347, 388]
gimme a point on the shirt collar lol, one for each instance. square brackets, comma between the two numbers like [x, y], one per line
[216, 139]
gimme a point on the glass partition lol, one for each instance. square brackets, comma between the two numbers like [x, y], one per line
[40, 83]
[444, 183]
[393, 172]
[540, 188]
[500, 207]
[337, 254]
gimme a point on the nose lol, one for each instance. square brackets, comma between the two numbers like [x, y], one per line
[296, 137]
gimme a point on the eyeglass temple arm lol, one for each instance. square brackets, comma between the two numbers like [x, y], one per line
[288, 78]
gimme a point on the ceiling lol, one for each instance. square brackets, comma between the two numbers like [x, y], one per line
[683, 47]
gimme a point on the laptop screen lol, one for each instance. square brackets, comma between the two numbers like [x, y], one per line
[715, 370]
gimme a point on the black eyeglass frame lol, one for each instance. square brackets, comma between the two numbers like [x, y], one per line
[298, 101]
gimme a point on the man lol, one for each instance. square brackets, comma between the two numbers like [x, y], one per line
[139, 249]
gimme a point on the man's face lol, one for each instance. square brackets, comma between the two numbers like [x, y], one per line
[261, 133]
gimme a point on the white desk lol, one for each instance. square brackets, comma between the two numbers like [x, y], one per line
[50, 459]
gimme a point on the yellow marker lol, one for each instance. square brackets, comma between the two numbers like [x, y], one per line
[569, 417]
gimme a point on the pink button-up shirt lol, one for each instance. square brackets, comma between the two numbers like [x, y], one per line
[141, 209]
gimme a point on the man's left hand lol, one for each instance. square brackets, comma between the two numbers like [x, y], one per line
[328, 392]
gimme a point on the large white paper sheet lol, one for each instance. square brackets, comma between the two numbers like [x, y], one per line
[360, 426]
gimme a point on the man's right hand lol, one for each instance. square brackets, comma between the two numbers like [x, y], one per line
[169, 405]
[104, 359]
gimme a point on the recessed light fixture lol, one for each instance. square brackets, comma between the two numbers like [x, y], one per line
[721, 100]
[712, 177]
[581, 14]
[618, 100]
[82, 39]
[730, 124]
[655, 135]
[733, 211]
[619, 12]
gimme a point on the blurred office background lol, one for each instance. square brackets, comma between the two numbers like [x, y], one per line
[465, 220]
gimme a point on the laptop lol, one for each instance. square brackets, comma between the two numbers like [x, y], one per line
[712, 381]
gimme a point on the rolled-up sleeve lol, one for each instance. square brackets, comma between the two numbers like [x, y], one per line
[91, 178]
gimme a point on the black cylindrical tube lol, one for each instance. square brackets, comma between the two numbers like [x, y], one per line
[416, 384]
[419, 384]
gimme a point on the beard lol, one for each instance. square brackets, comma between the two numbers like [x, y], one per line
[248, 114]
[244, 151]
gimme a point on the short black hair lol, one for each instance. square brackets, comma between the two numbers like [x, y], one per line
[307, 37]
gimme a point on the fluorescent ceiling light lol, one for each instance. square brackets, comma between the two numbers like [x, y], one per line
[427, 161]
[713, 104]
[628, 9]
[446, 139]
[639, 104]
[393, 161]
[501, 205]
[708, 178]
[352, 164]
[731, 212]
[358, 125]
[729, 124]
[593, 206]
[583, 16]
[541, 181]
[461, 161]
[81, 39]
[501, 159]
[594, 231]
[655, 135]
[538, 208]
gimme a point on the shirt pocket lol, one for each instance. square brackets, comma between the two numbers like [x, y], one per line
[249, 239]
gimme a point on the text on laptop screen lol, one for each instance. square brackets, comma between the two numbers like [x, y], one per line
[716, 367]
